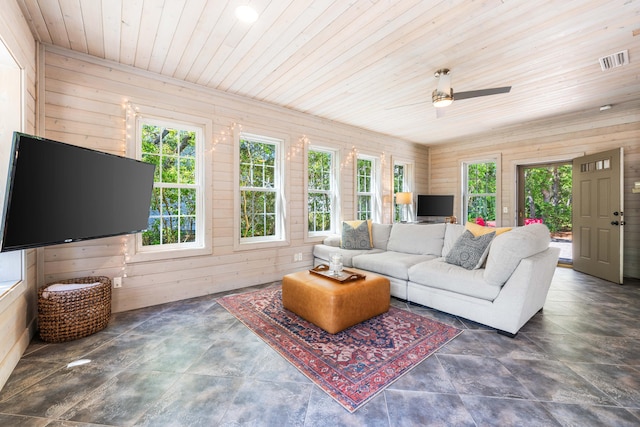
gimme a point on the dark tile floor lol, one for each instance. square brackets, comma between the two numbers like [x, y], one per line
[191, 363]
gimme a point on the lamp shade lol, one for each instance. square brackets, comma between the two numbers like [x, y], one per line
[405, 198]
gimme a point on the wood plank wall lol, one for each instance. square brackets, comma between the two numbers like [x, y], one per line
[18, 307]
[562, 138]
[85, 105]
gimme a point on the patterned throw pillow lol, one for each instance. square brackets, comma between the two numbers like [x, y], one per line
[355, 237]
[470, 251]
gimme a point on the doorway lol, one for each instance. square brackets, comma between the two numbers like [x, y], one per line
[598, 220]
[545, 195]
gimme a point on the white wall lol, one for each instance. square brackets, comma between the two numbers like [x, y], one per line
[86, 104]
[18, 305]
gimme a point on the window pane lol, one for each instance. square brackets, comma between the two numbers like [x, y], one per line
[169, 229]
[364, 207]
[481, 178]
[151, 139]
[258, 170]
[364, 175]
[319, 195]
[187, 144]
[170, 169]
[482, 207]
[187, 201]
[188, 229]
[319, 164]
[151, 236]
[170, 142]
[256, 206]
[269, 180]
[173, 152]
[398, 178]
[319, 207]
[170, 201]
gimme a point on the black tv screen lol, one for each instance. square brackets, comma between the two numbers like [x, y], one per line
[59, 193]
[435, 205]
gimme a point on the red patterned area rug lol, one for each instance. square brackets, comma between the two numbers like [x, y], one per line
[351, 366]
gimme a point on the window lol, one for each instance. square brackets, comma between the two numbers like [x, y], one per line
[322, 209]
[260, 185]
[367, 189]
[402, 182]
[175, 218]
[12, 264]
[480, 186]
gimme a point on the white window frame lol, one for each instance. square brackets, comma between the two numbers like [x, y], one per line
[12, 117]
[333, 193]
[136, 116]
[376, 211]
[464, 165]
[282, 214]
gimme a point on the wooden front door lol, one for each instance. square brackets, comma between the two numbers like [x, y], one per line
[598, 215]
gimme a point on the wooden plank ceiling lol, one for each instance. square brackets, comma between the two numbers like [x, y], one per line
[359, 61]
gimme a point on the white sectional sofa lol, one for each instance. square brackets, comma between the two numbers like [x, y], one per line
[504, 293]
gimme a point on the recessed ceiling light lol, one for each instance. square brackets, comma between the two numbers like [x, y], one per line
[246, 14]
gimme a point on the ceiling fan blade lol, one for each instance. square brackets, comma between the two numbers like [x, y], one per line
[481, 92]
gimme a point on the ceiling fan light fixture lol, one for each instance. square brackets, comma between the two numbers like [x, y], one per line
[443, 94]
[441, 99]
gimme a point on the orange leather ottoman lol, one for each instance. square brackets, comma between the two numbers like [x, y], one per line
[335, 306]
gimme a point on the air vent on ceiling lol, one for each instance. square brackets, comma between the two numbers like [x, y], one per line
[614, 60]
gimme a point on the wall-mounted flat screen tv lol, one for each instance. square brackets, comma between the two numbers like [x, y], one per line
[435, 205]
[59, 193]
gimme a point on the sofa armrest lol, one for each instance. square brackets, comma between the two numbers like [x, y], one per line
[333, 240]
[525, 292]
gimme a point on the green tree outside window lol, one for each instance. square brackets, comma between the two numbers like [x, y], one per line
[548, 195]
[172, 216]
[258, 189]
[399, 183]
[481, 191]
[364, 178]
[319, 191]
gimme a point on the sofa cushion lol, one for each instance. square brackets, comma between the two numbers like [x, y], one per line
[508, 249]
[451, 234]
[322, 253]
[356, 235]
[439, 274]
[470, 251]
[389, 263]
[417, 239]
[380, 235]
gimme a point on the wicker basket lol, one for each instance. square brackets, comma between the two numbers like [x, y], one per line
[72, 314]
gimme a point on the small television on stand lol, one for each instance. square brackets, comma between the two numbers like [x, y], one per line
[435, 208]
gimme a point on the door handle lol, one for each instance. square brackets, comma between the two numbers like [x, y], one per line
[615, 213]
[614, 223]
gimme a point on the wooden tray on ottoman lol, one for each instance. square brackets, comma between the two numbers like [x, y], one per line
[345, 275]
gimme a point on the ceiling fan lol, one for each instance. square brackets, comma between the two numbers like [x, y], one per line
[443, 94]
